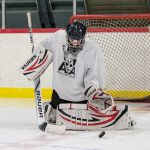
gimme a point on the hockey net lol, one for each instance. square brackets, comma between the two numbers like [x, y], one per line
[125, 41]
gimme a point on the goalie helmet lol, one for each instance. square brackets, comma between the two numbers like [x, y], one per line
[76, 36]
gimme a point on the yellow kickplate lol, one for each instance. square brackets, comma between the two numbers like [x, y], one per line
[23, 93]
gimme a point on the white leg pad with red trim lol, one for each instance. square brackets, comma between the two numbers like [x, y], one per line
[82, 117]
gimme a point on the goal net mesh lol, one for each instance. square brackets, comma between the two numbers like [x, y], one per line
[125, 41]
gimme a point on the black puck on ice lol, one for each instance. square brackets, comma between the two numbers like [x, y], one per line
[102, 133]
[43, 126]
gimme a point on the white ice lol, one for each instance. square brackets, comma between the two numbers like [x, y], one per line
[18, 131]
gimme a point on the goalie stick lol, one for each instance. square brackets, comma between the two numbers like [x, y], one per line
[38, 99]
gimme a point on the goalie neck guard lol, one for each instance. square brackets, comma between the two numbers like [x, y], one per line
[76, 36]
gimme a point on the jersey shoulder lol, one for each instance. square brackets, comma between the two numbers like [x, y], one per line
[60, 33]
[90, 46]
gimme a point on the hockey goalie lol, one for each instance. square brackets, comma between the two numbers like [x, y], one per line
[78, 100]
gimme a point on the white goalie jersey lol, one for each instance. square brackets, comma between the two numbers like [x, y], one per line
[73, 74]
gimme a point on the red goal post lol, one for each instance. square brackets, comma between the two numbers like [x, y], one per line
[125, 41]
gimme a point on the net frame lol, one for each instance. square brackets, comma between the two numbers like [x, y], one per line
[141, 25]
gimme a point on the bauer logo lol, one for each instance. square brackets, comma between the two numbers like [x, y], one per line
[39, 104]
[28, 62]
[91, 92]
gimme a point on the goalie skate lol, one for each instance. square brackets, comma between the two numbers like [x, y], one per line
[81, 117]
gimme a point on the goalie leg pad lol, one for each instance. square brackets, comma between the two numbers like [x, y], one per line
[57, 129]
[49, 113]
[50, 119]
[79, 117]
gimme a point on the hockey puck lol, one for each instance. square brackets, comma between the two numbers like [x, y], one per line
[101, 134]
[43, 126]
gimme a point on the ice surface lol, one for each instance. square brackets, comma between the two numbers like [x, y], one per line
[18, 131]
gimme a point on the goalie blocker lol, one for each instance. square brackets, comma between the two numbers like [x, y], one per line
[78, 117]
[36, 64]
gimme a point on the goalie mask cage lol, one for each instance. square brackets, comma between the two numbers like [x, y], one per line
[125, 41]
